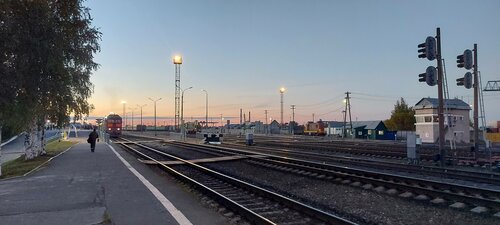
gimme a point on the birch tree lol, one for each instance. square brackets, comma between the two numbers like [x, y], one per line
[47, 59]
[402, 117]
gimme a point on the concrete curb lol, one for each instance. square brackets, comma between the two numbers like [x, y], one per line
[39, 166]
[15, 137]
[10, 140]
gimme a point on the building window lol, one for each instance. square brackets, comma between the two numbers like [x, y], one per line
[360, 133]
[428, 119]
[369, 132]
[380, 132]
[436, 119]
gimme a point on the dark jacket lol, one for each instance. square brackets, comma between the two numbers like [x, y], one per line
[93, 136]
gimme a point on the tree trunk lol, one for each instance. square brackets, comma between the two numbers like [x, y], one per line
[43, 141]
[32, 142]
[29, 152]
[0, 150]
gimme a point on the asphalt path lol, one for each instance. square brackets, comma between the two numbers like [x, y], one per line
[15, 148]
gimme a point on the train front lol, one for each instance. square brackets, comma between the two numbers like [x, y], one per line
[114, 125]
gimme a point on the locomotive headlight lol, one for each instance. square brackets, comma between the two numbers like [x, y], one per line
[118, 128]
[109, 128]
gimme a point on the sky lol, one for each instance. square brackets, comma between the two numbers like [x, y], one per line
[243, 52]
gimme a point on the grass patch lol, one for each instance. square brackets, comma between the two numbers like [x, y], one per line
[19, 166]
[106, 219]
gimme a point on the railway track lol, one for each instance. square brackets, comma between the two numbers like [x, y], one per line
[257, 205]
[379, 150]
[480, 177]
[439, 193]
[350, 149]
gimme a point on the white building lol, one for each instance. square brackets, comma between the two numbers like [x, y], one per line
[457, 121]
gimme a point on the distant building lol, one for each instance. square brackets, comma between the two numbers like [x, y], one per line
[370, 130]
[334, 128]
[457, 121]
[274, 127]
[259, 127]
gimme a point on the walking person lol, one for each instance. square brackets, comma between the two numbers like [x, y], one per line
[93, 136]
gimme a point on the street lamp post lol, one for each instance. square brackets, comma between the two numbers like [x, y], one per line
[140, 106]
[206, 107]
[132, 118]
[177, 62]
[124, 117]
[154, 101]
[282, 91]
[182, 113]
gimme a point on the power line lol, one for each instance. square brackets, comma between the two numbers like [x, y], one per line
[322, 102]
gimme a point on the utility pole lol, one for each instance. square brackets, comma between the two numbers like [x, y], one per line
[293, 119]
[344, 132]
[347, 108]
[313, 117]
[141, 106]
[221, 123]
[206, 107]
[267, 124]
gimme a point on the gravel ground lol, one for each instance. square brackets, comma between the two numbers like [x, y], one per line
[372, 207]
[421, 176]
[375, 208]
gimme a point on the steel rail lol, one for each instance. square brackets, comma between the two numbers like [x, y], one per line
[489, 178]
[313, 212]
[417, 185]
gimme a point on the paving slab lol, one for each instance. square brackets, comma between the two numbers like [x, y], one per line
[80, 187]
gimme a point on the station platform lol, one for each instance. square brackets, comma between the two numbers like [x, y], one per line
[108, 186]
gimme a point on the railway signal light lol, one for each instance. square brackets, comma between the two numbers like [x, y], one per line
[429, 77]
[460, 61]
[465, 81]
[465, 60]
[427, 49]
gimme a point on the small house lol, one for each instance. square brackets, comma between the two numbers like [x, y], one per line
[456, 120]
[370, 130]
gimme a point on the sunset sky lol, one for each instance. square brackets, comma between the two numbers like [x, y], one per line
[242, 52]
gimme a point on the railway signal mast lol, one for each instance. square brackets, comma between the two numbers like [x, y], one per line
[468, 61]
[431, 49]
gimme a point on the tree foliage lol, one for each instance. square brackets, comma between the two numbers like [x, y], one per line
[47, 49]
[402, 118]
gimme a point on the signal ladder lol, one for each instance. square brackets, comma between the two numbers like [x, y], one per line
[448, 125]
[482, 115]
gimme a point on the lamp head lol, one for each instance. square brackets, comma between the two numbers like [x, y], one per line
[177, 59]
